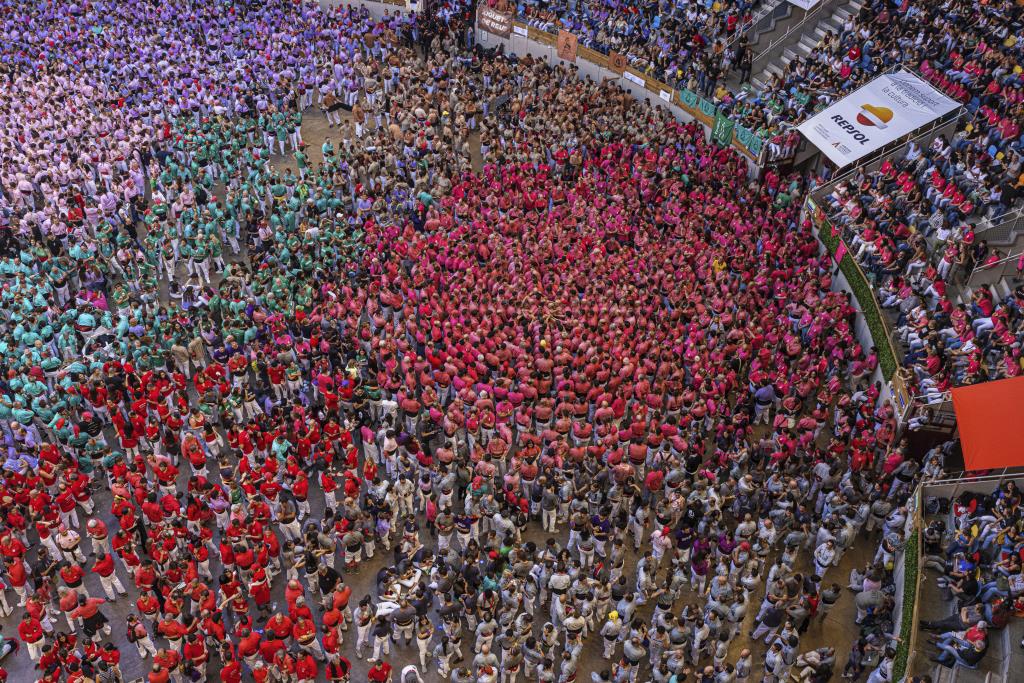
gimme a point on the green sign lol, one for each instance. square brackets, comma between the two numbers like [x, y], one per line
[707, 108]
[749, 139]
[688, 98]
[722, 130]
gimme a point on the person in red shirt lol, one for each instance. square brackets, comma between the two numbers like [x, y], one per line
[284, 661]
[300, 491]
[260, 589]
[98, 535]
[269, 649]
[280, 625]
[18, 578]
[304, 633]
[67, 505]
[104, 567]
[158, 675]
[306, 669]
[195, 653]
[380, 672]
[231, 672]
[30, 630]
[93, 620]
[168, 660]
[11, 546]
[338, 668]
[145, 578]
[328, 484]
[173, 630]
[249, 646]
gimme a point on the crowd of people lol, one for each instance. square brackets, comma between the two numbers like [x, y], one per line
[672, 41]
[548, 349]
[971, 51]
[979, 562]
[914, 222]
[909, 225]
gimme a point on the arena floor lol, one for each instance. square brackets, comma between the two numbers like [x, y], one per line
[837, 629]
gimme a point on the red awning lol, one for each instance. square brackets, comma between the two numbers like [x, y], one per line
[991, 421]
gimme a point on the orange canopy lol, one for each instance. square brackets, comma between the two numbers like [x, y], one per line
[991, 421]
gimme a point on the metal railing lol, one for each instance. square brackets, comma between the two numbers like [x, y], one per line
[890, 149]
[1004, 229]
[992, 273]
[772, 10]
[958, 482]
[808, 15]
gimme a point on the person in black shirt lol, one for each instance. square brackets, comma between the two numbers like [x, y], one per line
[327, 578]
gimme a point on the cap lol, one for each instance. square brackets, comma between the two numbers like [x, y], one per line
[613, 615]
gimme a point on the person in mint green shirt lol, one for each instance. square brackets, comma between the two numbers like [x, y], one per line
[283, 130]
[301, 160]
[278, 190]
[296, 132]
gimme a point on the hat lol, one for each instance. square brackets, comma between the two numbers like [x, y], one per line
[613, 615]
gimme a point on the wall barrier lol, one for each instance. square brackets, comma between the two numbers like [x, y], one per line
[376, 8]
[863, 292]
[907, 580]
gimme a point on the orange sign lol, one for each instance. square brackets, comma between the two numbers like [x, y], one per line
[567, 46]
[616, 62]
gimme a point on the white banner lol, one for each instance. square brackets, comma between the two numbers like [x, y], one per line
[804, 4]
[871, 117]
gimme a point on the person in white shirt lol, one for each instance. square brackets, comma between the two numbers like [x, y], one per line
[824, 556]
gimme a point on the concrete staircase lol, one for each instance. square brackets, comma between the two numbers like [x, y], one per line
[806, 41]
[941, 674]
[769, 16]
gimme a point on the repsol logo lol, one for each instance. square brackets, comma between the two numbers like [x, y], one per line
[850, 129]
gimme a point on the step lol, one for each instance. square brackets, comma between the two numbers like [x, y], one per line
[1014, 652]
[941, 674]
[842, 13]
[809, 42]
[830, 25]
[855, 6]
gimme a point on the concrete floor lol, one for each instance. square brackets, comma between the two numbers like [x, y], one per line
[837, 629]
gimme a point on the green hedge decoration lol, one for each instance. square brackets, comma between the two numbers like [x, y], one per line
[865, 297]
[910, 569]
